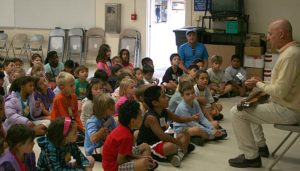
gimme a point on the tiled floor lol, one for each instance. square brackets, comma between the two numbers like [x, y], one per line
[214, 155]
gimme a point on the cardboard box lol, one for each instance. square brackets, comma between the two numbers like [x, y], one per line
[254, 61]
[254, 72]
[226, 51]
[254, 39]
[253, 51]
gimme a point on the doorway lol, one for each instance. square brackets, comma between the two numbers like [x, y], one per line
[164, 16]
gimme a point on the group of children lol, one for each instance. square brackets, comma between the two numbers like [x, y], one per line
[120, 115]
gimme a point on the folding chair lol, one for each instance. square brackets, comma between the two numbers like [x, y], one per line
[57, 42]
[131, 40]
[35, 44]
[95, 37]
[75, 43]
[292, 129]
[3, 45]
[19, 43]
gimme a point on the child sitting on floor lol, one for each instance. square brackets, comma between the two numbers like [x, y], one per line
[35, 59]
[95, 88]
[126, 92]
[58, 147]
[119, 152]
[138, 76]
[81, 82]
[210, 108]
[201, 129]
[125, 56]
[170, 79]
[235, 77]
[216, 77]
[22, 108]
[148, 72]
[19, 155]
[44, 94]
[65, 102]
[164, 147]
[99, 126]
[103, 59]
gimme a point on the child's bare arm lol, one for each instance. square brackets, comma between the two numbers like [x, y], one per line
[152, 122]
[122, 158]
[170, 85]
[99, 135]
[206, 113]
[202, 100]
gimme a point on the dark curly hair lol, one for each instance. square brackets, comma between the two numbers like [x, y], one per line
[127, 111]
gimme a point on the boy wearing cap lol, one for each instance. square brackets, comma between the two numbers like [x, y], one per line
[192, 50]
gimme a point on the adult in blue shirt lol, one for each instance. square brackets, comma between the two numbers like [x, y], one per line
[192, 50]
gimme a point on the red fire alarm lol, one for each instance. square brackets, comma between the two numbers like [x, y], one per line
[133, 16]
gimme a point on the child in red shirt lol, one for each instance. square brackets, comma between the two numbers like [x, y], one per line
[118, 151]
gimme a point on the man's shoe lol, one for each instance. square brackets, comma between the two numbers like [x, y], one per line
[241, 162]
[197, 141]
[264, 151]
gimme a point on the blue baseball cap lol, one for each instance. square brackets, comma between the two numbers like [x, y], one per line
[190, 31]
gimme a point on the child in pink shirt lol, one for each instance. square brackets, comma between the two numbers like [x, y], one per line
[126, 92]
[103, 58]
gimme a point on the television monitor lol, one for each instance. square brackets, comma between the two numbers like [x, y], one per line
[226, 7]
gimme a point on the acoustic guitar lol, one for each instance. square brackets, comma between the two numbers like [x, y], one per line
[255, 97]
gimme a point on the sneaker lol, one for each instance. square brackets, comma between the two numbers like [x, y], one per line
[241, 162]
[97, 157]
[169, 130]
[222, 137]
[190, 148]
[176, 159]
[264, 151]
[216, 98]
[218, 117]
[197, 141]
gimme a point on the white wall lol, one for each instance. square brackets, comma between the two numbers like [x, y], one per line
[112, 39]
[126, 11]
[261, 12]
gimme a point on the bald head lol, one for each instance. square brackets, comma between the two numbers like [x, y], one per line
[280, 33]
[284, 26]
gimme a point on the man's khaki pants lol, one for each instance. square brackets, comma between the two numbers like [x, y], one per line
[247, 125]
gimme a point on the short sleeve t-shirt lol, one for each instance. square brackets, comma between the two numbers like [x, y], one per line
[54, 71]
[188, 54]
[120, 140]
[171, 75]
[81, 88]
[216, 77]
[93, 125]
[237, 75]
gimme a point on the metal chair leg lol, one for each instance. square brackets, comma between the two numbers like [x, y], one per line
[282, 142]
[284, 151]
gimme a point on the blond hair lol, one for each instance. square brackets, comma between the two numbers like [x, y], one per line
[101, 104]
[216, 59]
[63, 78]
[124, 84]
[36, 69]
[182, 79]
